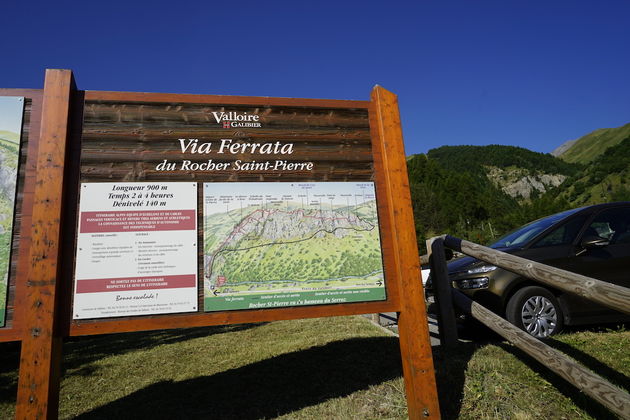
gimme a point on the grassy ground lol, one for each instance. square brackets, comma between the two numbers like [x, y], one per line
[333, 368]
[495, 380]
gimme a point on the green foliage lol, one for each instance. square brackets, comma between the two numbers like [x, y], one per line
[589, 147]
[621, 194]
[604, 179]
[302, 251]
[451, 192]
[356, 255]
[473, 159]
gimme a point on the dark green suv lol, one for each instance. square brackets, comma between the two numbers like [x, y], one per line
[593, 241]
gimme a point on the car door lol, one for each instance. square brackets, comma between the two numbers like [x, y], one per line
[609, 262]
[557, 248]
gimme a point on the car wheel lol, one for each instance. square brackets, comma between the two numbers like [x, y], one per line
[535, 310]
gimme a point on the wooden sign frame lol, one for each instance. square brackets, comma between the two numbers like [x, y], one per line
[43, 287]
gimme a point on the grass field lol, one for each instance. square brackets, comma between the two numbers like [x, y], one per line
[332, 368]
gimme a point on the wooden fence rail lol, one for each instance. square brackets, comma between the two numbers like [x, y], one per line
[612, 296]
[593, 385]
[607, 294]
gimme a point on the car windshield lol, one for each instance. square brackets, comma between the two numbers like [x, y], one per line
[523, 234]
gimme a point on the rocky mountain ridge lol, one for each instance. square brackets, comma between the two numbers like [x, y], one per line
[522, 184]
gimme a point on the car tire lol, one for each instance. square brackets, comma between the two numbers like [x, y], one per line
[536, 311]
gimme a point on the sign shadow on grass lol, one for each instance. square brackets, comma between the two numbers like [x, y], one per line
[269, 388]
[81, 352]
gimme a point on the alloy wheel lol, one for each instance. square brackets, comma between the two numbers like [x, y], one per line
[539, 316]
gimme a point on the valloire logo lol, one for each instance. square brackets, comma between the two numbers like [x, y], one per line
[234, 119]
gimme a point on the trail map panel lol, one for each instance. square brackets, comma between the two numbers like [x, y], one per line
[136, 249]
[272, 245]
[11, 110]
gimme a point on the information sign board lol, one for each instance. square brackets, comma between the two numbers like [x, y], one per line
[11, 109]
[273, 245]
[136, 249]
[91, 151]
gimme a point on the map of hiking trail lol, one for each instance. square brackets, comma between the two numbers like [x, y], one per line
[11, 109]
[270, 245]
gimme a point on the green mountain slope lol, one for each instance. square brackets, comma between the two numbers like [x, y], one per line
[476, 158]
[606, 178]
[588, 147]
[292, 244]
[481, 192]
[10, 136]
[472, 191]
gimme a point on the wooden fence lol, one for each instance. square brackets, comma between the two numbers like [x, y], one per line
[609, 295]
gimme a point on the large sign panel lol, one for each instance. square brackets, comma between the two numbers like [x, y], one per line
[136, 249]
[272, 245]
[11, 110]
[289, 205]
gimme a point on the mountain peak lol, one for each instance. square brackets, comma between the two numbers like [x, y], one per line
[587, 148]
[563, 147]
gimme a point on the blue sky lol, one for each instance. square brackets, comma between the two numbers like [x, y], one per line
[525, 73]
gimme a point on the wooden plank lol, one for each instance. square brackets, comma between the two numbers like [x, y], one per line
[40, 359]
[602, 391]
[92, 95]
[151, 158]
[386, 223]
[96, 134]
[27, 93]
[124, 140]
[201, 319]
[128, 113]
[71, 183]
[142, 172]
[415, 346]
[607, 294]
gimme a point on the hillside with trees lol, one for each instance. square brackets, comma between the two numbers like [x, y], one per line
[474, 158]
[470, 191]
[605, 179]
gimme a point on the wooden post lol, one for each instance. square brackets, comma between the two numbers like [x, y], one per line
[40, 359]
[443, 295]
[413, 327]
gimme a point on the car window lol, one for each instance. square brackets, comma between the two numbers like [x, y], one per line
[523, 234]
[613, 224]
[603, 229]
[563, 235]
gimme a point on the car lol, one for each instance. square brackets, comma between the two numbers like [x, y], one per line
[593, 241]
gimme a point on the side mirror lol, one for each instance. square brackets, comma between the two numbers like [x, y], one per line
[592, 242]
